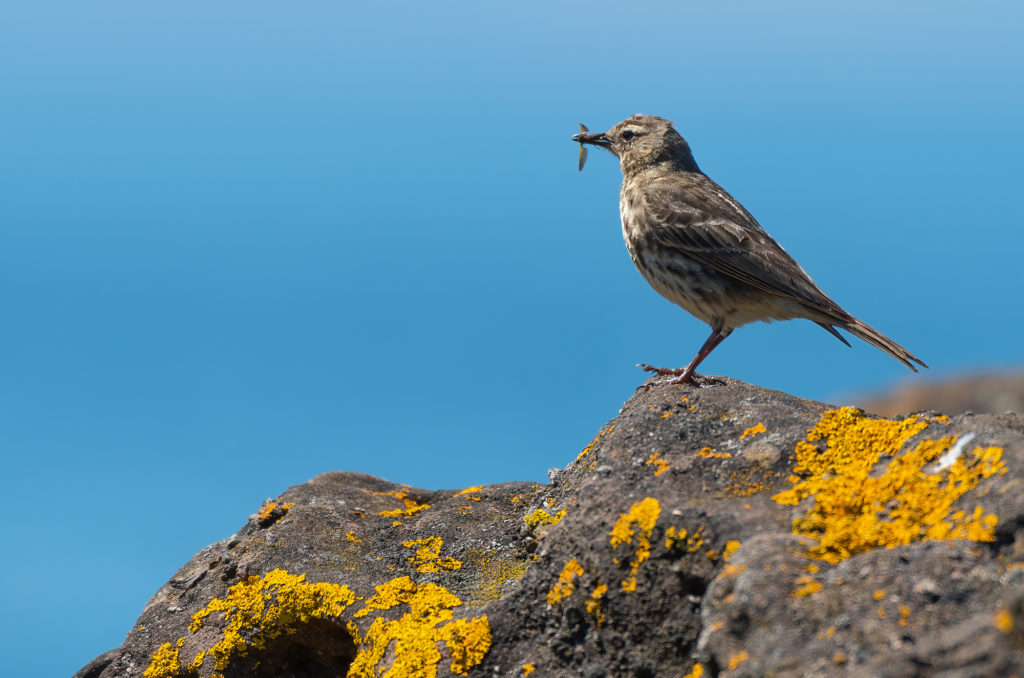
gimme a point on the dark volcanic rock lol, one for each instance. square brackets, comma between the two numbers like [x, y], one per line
[726, 530]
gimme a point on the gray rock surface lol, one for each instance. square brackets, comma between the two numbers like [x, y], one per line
[701, 532]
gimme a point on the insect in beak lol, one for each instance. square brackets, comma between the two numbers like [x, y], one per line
[583, 149]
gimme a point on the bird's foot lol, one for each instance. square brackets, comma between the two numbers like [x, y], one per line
[676, 375]
[663, 371]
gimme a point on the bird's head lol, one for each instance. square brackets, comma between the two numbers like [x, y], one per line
[643, 141]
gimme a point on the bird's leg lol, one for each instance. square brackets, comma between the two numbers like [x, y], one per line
[683, 375]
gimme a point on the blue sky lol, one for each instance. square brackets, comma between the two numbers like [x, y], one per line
[247, 243]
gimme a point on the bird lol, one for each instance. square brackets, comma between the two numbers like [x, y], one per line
[698, 247]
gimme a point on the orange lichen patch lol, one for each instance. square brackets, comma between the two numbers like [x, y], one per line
[731, 547]
[878, 594]
[733, 570]
[666, 415]
[673, 536]
[566, 583]
[708, 453]
[636, 524]
[746, 482]
[411, 505]
[1003, 621]
[595, 603]
[904, 615]
[528, 669]
[588, 448]
[806, 586]
[738, 659]
[839, 658]
[272, 511]
[428, 555]
[542, 517]
[351, 536]
[255, 611]
[164, 663]
[696, 672]
[468, 490]
[812, 568]
[410, 643]
[855, 511]
[679, 538]
[753, 431]
[656, 461]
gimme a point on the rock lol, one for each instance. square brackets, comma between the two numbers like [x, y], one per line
[719, 531]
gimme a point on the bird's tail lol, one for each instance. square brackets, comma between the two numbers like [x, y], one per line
[880, 341]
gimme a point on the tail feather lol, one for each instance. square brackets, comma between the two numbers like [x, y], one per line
[882, 342]
[834, 332]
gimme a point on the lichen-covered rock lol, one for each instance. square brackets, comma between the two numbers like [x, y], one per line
[719, 531]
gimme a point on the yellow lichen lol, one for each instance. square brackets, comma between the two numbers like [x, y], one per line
[271, 511]
[494, 572]
[753, 431]
[411, 505]
[468, 490]
[679, 538]
[660, 464]
[731, 547]
[528, 669]
[878, 594]
[738, 659]
[595, 603]
[566, 583]
[593, 442]
[708, 453]
[667, 415]
[904, 615]
[696, 672]
[428, 555]
[351, 536]
[636, 524]
[673, 536]
[164, 664]
[855, 511]
[542, 517]
[410, 643]
[255, 611]
[806, 586]
[1002, 621]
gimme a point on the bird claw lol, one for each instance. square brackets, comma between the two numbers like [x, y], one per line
[676, 376]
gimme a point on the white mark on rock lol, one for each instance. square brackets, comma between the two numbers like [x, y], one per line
[950, 456]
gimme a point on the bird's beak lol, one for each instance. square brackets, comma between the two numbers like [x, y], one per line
[600, 139]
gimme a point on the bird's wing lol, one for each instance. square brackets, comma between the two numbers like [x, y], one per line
[705, 223]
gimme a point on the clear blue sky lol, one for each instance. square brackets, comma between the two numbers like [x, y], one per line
[244, 243]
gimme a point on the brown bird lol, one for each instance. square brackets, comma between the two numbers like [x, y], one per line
[699, 248]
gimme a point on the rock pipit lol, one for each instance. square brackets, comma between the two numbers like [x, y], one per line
[699, 248]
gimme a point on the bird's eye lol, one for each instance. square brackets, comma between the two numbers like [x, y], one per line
[628, 134]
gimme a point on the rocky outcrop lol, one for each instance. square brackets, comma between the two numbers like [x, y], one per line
[727, 530]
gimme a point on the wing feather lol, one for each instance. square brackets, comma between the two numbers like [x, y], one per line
[708, 225]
